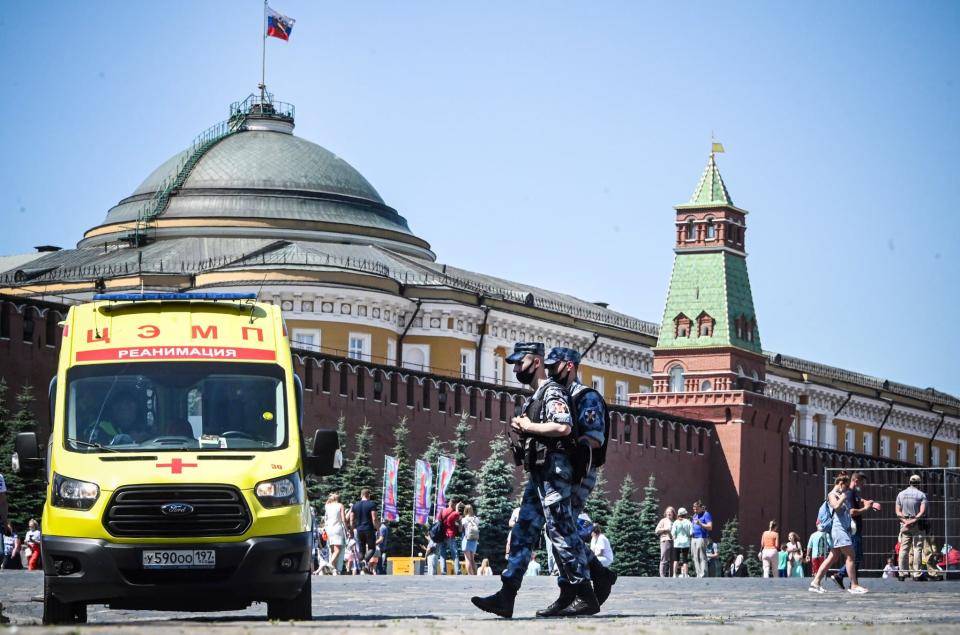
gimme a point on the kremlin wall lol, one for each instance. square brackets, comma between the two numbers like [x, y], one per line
[381, 330]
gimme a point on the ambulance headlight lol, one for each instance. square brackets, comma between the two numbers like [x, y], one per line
[286, 490]
[73, 493]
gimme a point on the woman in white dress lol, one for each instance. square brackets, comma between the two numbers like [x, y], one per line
[335, 522]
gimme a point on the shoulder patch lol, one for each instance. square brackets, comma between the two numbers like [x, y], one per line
[560, 407]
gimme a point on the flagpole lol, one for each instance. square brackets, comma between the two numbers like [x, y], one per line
[263, 61]
[383, 488]
[413, 516]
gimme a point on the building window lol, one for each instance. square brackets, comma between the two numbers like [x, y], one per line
[951, 458]
[706, 386]
[682, 325]
[359, 346]
[416, 356]
[466, 363]
[705, 325]
[691, 230]
[935, 456]
[597, 384]
[918, 453]
[676, 379]
[391, 352]
[884, 446]
[497, 369]
[751, 327]
[850, 440]
[868, 443]
[901, 450]
[620, 396]
[305, 338]
[711, 230]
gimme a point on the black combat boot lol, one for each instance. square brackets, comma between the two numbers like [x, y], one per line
[603, 580]
[567, 595]
[585, 604]
[500, 603]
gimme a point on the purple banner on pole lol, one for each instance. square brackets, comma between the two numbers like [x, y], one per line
[445, 467]
[390, 488]
[423, 487]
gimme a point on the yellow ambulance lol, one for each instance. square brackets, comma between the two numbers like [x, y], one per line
[176, 464]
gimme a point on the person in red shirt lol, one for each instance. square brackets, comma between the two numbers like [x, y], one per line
[449, 517]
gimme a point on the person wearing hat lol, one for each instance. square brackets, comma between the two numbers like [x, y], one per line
[912, 512]
[590, 415]
[545, 426]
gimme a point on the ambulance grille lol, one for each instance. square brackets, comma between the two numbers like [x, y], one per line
[136, 511]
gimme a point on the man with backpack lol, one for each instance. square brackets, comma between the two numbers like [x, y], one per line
[545, 429]
[449, 519]
[591, 432]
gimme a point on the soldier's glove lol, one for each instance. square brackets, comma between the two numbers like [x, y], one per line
[580, 461]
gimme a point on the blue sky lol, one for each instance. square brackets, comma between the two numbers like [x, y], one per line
[507, 132]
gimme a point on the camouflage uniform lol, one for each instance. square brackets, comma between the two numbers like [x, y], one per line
[546, 501]
[590, 424]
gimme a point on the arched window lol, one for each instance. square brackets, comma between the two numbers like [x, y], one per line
[711, 230]
[691, 230]
[676, 379]
[682, 325]
[706, 386]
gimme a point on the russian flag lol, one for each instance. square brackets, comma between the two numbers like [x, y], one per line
[279, 25]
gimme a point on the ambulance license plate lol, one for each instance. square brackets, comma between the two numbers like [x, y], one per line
[180, 559]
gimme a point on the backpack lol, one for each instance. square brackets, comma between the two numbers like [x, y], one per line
[825, 517]
[471, 528]
[599, 455]
[436, 532]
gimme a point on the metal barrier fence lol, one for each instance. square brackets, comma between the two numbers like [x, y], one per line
[880, 530]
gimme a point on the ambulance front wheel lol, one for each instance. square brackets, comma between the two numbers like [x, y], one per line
[300, 608]
[57, 612]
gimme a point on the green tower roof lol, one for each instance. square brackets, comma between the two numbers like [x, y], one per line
[711, 189]
[715, 284]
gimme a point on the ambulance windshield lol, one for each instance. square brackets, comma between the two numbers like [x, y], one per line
[160, 406]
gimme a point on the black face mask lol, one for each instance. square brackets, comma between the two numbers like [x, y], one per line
[562, 380]
[525, 376]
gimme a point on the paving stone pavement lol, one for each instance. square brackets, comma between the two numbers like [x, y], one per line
[442, 605]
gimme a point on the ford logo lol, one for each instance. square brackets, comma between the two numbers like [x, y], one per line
[177, 509]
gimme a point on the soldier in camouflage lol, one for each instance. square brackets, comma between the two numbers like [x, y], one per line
[590, 413]
[545, 425]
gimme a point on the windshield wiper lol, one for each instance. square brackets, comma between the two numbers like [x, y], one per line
[91, 445]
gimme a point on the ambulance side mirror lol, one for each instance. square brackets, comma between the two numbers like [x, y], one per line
[26, 457]
[325, 456]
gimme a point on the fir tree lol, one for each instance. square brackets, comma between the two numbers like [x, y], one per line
[729, 543]
[624, 534]
[493, 504]
[25, 492]
[598, 506]
[400, 531]
[649, 541]
[359, 473]
[463, 482]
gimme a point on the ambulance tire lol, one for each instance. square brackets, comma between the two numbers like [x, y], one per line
[300, 608]
[57, 612]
